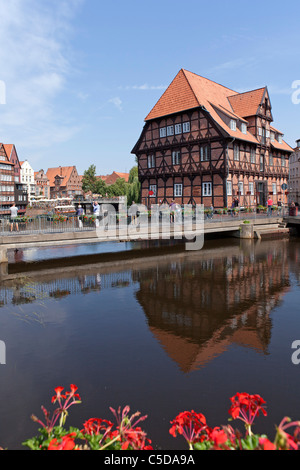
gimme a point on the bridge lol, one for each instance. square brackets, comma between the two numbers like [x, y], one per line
[256, 227]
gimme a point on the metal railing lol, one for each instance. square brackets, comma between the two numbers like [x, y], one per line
[71, 224]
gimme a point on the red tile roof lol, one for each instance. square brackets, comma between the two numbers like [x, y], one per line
[188, 91]
[64, 171]
[247, 104]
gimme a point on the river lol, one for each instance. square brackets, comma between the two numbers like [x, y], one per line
[162, 334]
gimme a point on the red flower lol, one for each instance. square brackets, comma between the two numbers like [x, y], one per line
[66, 443]
[190, 425]
[96, 426]
[247, 407]
[217, 436]
[265, 444]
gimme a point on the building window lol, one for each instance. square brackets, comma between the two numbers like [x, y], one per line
[206, 189]
[263, 140]
[162, 132]
[251, 189]
[271, 162]
[280, 139]
[170, 130]
[253, 155]
[241, 188]
[152, 190]
[177, 190]
[274, 188]
[186, 127]
[237, 153]
[178, 129]
[205, 153]
[283, 161]
[272, 136]
[262, 163]
[233, 124]
[176, 158]
[229, 188]
[151, 161]
[244, 128]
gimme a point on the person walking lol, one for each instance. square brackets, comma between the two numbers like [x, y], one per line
[270, 205]
[13, 217]
[80, 213]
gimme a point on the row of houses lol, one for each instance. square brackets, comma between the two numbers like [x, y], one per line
[203, 143]
[20, 184]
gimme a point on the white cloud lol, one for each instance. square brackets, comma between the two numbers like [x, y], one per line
[144, 87]
[117, 102]
[35, 69]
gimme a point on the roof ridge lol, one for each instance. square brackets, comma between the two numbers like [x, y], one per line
[209, 80]
[246, 92]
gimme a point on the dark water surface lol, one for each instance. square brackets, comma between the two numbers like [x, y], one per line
[183, 331]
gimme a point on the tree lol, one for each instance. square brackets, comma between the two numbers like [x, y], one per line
[89, 180]
[134, 187]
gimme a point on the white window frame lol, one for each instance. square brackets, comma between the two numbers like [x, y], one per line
[163, 132]
[241, 188]
[236, 153]
[233, 124]
[178, 190]
[229, 188]
[244, 128]
[205, 153]
[186, 127]
[176, 157]
[170, 131]
[178, 129]
[253, 155]
[251, 188]
[151, 161]
[207, 189]
[274, 189]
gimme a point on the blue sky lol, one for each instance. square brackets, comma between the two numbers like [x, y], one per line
[80, 76]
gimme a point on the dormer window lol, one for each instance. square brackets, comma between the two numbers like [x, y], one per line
[272, 136]
[244, 128]
[233, 124]
[280, 138]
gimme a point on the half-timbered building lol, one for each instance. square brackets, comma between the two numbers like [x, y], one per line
[203, 143]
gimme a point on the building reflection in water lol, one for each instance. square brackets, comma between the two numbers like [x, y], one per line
[197, 308]
[197, 304]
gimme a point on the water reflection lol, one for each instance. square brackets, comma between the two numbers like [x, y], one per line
[196, 304]
[198, 307]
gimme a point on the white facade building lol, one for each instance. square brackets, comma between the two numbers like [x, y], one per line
[27, 178]
[294, 179]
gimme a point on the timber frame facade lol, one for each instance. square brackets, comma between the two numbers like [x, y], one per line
[205, 144]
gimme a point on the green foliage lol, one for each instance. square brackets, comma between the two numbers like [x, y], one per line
[132, 189]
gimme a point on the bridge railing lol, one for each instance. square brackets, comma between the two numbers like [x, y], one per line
[64, 224]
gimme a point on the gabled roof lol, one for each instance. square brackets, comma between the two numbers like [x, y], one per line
[62, 171]
[247, 104]
[8, 150]
[188, 91]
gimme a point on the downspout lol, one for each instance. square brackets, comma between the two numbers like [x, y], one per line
[227, 171]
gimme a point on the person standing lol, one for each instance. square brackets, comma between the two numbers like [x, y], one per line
[13, 217]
